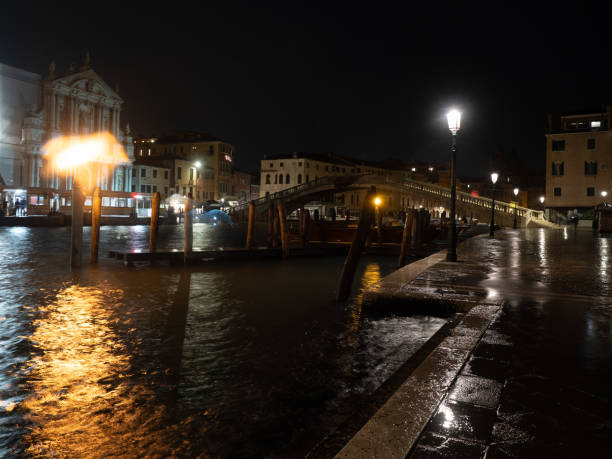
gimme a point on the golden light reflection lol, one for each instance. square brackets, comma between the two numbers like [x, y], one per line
[78, 398]
[371, 276]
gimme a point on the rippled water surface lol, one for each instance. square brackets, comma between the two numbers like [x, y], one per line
[226, 359]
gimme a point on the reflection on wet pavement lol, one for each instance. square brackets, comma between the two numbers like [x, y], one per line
[538, 382]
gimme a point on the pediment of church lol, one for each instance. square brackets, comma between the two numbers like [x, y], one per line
[87, 81]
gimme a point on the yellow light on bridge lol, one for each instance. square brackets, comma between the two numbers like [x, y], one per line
[377, 201]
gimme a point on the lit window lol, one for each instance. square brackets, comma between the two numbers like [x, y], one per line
[591, 144]
[595, 124]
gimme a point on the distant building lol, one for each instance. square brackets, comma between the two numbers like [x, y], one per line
[242, 183]
[36, 108]
[579, 160]
[210, 158]
[147, 179]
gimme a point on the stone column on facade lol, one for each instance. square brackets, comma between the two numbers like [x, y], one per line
[51, 111]
[39, 165]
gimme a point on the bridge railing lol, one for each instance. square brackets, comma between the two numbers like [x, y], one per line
[292, 191]
[467, 198]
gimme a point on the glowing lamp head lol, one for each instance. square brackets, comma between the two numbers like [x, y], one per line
[414, 169]
[198, 164]
[494, 176]
[515, 191]
[377, 201]
[604, 193]
[541, 199]
[454, 120]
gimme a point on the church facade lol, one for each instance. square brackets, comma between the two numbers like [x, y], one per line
[35, 109]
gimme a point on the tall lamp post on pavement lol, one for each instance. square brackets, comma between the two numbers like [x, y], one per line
[494, 176]
[454, 122]
[516, 190]
[542, 204]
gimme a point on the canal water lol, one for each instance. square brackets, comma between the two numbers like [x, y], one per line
[226, 359]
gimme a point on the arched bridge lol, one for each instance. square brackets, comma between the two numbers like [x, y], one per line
[429, 196]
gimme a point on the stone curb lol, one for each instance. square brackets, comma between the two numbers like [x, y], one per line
[397, 425]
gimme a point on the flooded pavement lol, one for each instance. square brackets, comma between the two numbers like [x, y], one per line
[229, 359]
[537, 384]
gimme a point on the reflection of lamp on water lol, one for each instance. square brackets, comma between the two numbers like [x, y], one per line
[82, 156]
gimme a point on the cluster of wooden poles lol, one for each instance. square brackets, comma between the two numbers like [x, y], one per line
[96, 211]
[416, 222]
[412, 236]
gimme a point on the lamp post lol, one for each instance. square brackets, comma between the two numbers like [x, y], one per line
[454, 122]
[542, 204]
[516, 190]
[494, 176]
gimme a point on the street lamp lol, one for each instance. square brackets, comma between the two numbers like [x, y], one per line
[494, 176]
[516, 190]
[454, 122]
[604, 194]
[197, 164]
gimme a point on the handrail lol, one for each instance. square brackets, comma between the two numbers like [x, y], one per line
[430, 188]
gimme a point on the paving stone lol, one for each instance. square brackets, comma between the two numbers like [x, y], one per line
[463, 420]
[486, 368]
[438, 446]
[475, 390]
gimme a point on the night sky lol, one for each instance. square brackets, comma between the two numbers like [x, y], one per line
[371, 80]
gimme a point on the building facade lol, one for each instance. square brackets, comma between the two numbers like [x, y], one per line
[579, 161]
[213, 160]
[35, 109]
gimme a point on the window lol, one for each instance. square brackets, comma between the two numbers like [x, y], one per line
[143, 172]
[271, 164]
[154, 188]
[134, 172]
[154, 173]
[166, 175]
[275, 179]
[191, 173]
[184, 191]
[591, 144]
[211, 150]
[148, 188]
[176, 189]
[267, 179]
[299, 179]
[179, 173]
[307, 164]
[191, 190]
[280, 179]
[300, 164]
[133, 188]
[558, 168]
[149, 152]
[165, 191]
[142, 188]
[590, 191]
[307, 178]
[558, 145]
[326, 168]
[281, 164]
[287, 179]
[590, 168]
[557, 191]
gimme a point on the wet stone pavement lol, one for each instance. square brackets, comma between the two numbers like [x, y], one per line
[539, 381]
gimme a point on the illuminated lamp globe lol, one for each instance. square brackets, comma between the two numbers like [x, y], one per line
[494, 176]
[454, 120]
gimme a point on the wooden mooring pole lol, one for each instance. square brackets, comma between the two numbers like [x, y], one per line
[188, 229]
[271, 225]
[405, 238]
[96, 210]
[361, 235]
[251, 223]
[284, 231]
[154, 222]
[76, 242]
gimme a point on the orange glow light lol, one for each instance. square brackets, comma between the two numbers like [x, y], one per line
[68, 152]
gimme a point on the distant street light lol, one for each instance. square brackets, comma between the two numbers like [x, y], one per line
[198, 164]
[454, 122]
[516, 190]
[377, 201]
[604, 193]
[494, 176]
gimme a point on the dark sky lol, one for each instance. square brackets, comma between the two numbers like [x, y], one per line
[368, 79]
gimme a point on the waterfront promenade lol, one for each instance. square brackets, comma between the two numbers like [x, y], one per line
[525, 373]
